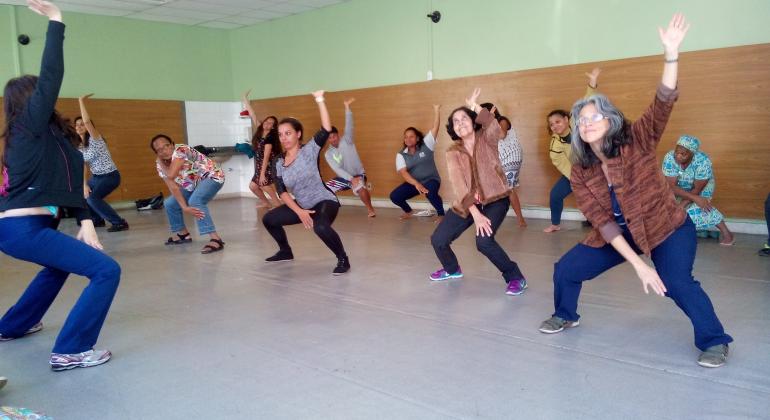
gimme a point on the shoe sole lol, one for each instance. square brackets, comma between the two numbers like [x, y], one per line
[453, 276]
[35, 328]
[710, 365]
[339, 274]
[279, 261]
[70, 366]
[574, 324]
[517, 294]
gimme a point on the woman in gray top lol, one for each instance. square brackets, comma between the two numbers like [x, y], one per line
[310, 202]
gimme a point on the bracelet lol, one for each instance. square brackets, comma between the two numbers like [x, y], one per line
[319, 99]
[674, 60]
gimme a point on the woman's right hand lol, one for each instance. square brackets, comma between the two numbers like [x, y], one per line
[703, 202]
[421, 188]
[593, 77]
[650, 279]
[483, 224]
[262, 180]
[86, 191]
[198, 213]
[45, 8]
[84, 97]
[304, 216]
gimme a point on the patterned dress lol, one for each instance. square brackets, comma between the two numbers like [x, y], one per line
[699, 169]
[259, 156]
[511, 157]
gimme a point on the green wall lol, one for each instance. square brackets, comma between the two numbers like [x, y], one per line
[365, 43]
[126, 58]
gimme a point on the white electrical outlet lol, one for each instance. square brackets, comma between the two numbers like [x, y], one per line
[430, 75]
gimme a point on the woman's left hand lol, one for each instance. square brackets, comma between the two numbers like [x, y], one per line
[471, 102]
[87, 234]
[673, 35]
[198, 213]
[483, 225]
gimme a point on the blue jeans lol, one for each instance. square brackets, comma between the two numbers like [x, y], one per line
[35, 239]
[673, 261]
[199, 198]
[101, 186]
[560, 190]
[453, 226]
[406, 191]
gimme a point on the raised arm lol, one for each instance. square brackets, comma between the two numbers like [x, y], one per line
[672, 38]
[434, 127]
[593, 81]
[95, 134]
[247, 105]
[326, 123]
[43, 100]
[648, 129]
[348, 135]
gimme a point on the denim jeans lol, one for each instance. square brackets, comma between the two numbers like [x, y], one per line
[35, 239]
[560, 190]
[673, 261]
[406, 191]
[452, 226]
[101, 186]
[198, 198]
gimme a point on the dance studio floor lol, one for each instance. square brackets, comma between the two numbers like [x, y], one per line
[226, 336]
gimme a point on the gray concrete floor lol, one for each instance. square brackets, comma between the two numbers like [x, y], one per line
[228, 336]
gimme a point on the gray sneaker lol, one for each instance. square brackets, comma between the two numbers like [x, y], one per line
[555, 324]
[35, 328]
[714, 356]
[79, 360]
[3, 381]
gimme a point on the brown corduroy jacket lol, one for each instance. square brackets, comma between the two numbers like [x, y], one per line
[644, 195]
[480, 173]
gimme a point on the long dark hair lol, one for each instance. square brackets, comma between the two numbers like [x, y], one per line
[272, 135]
[87, 138]
[15, 97]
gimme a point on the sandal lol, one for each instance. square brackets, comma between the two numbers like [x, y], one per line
[183, 239]
[208, 249]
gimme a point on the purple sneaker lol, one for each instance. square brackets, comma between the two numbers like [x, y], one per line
[516, 287]
[441, 275]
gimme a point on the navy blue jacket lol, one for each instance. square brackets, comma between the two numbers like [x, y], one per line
[43, 167]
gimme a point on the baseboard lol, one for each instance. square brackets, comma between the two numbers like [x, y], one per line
[750, 226]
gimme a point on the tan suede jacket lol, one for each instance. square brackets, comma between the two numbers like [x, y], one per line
[478, 174]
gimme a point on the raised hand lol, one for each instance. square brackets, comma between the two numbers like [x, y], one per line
[348, 102]
[45, 8]
[593, 77]
[673, 35]
[318, 94]
[471, 102]
[86, 96]
[246, 94]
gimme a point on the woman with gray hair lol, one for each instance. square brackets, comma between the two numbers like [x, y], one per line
[620, 188]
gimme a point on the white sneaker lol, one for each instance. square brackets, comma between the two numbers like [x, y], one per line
[425, 213]
[79, 360]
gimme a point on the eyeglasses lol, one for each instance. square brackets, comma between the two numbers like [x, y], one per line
[590, 119]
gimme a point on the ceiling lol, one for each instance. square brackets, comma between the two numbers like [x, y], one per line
[222, 14]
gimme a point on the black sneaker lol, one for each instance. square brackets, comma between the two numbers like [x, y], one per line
[343, 266]
[118, 228]
[100, 223]
[281, 256]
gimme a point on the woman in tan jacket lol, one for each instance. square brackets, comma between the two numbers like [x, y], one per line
[481, 194]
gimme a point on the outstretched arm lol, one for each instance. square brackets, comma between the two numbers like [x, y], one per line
[434, 127]
[95, 134]
[326, 121]
[672, 38]
[348, 135]
[247, 105]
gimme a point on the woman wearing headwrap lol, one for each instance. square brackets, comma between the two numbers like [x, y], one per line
[689, 172]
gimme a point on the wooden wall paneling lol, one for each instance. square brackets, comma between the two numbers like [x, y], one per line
[725, 101]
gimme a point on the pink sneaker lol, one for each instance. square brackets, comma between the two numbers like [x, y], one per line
[441, 275]
[516, 287]
[86, 359]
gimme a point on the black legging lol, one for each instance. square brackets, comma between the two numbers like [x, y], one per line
[325, 213]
